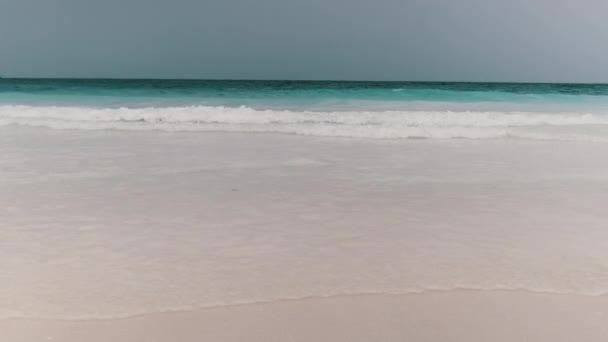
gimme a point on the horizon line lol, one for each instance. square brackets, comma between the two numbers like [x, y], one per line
[290, 80]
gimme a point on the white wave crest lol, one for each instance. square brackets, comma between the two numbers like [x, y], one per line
[360, 124]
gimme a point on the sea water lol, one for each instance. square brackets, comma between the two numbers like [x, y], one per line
[120, 198]
[340, 109]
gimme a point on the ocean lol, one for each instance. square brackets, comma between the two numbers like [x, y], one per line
[127, 197]
[394, 110]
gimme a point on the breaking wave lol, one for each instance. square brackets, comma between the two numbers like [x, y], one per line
[359, 124]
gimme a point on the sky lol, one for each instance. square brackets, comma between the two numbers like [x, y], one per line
[416, 40]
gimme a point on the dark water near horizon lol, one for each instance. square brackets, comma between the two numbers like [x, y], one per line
[294, 94]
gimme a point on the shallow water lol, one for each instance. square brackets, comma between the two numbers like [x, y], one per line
[116, 223]
[120, 197]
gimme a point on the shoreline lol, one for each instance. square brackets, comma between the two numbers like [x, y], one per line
[286, 301]
[458, 315]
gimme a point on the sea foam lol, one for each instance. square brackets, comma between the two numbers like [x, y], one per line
[360, 124]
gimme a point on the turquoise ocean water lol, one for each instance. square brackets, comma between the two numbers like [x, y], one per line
[325, 108]
[294, 94]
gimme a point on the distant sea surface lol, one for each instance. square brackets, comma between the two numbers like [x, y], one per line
[321, 108]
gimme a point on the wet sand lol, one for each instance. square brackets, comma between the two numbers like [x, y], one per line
[456, 316]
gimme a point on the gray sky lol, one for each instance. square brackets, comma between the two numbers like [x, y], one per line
[473, 40]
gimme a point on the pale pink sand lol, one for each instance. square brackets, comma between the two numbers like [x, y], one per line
[467, 316]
